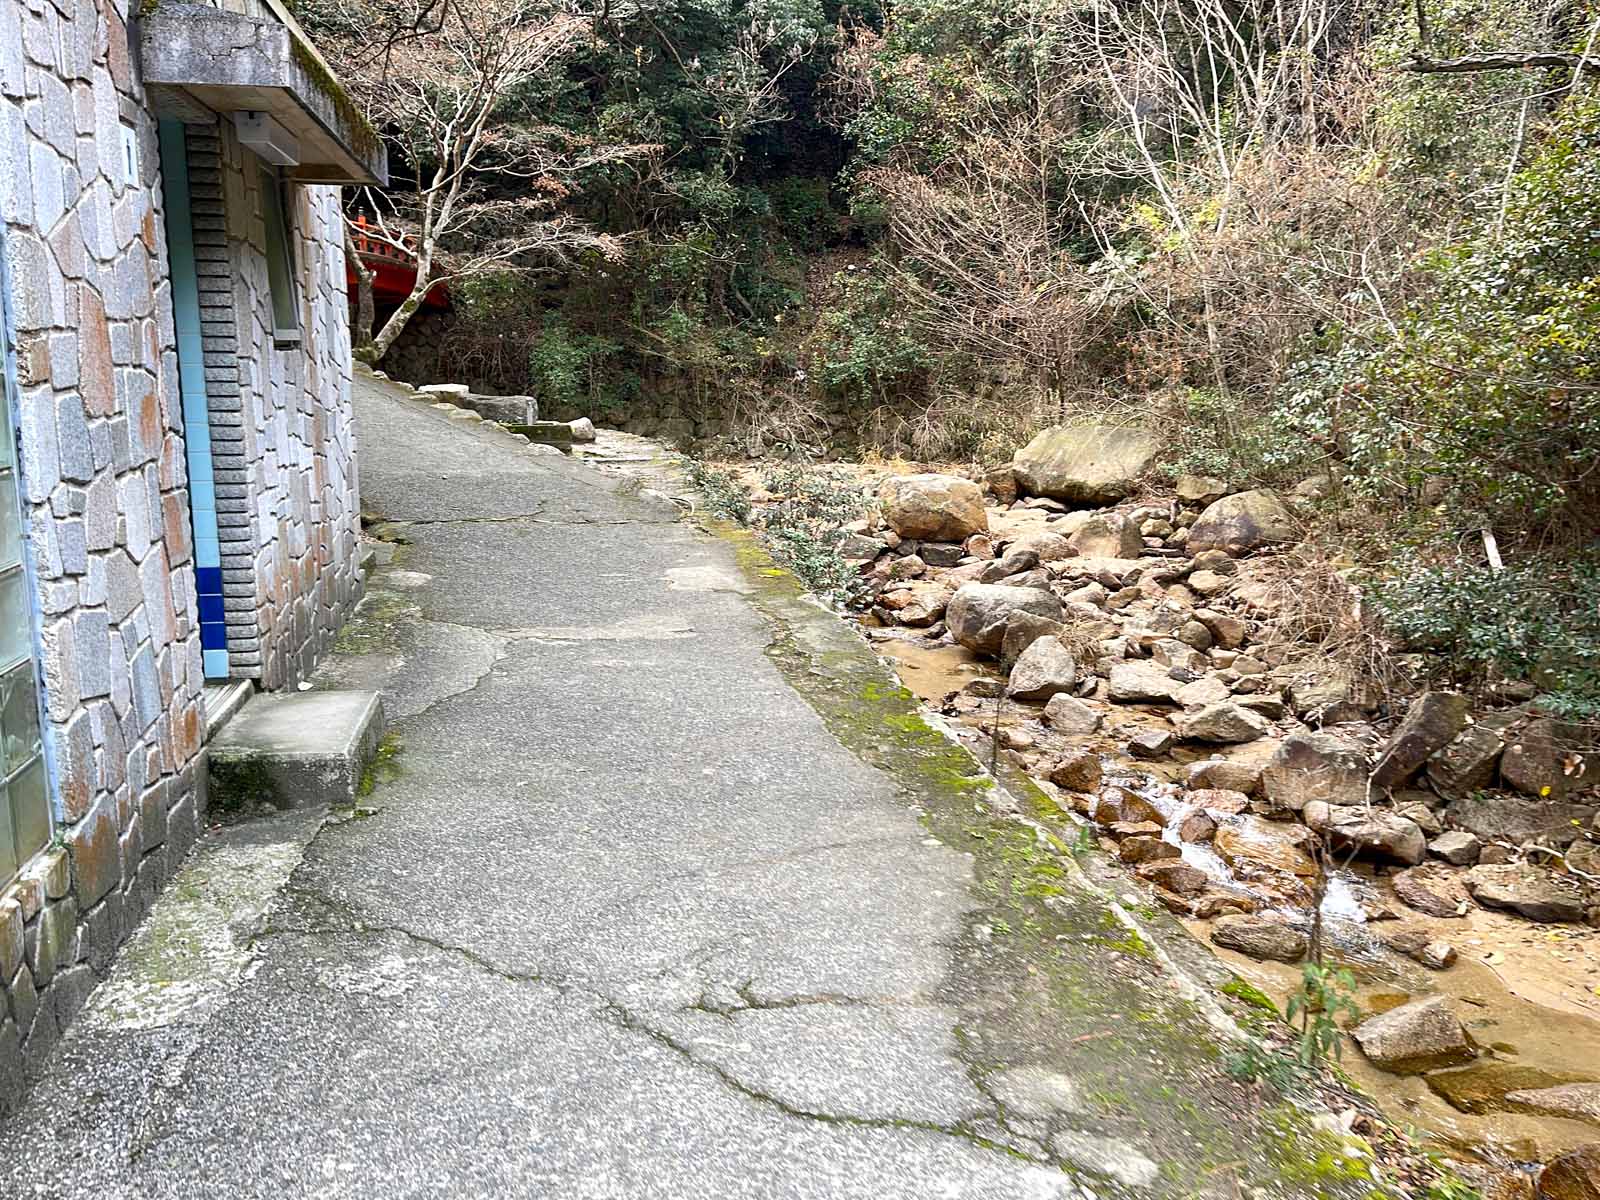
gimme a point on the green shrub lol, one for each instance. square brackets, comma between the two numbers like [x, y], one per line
[867, 349]
[568, 367]
[1483, 399]
[1539, 621]
[802, 529]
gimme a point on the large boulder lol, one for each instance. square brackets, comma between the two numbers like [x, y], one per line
[1468, 763]
[919, 604]
[1574, 1175]
[1512, 819]
[1433, 890]
[1242, 522]
[933, 508]
[1087, 464]
[976, 615]
[1369, 831]
[1045, 669]
[1224, 723]
[1539, 761]
[1315, 766]
[1250, 846]
[1529, 891]
[1431, 723]
[1571, 1101]
[1420, 1036]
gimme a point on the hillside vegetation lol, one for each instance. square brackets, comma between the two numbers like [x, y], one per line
[1305, 239]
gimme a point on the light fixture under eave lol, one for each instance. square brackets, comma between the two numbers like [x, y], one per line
[270, 140]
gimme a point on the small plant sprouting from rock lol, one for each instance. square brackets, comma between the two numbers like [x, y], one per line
[1324, 993]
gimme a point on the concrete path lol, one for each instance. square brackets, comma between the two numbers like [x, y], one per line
[663, 889]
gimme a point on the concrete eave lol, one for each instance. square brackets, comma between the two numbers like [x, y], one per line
[229, 63]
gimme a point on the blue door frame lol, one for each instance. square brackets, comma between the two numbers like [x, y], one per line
[196, 408]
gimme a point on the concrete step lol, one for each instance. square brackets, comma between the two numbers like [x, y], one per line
[294, 750]
[223, 699]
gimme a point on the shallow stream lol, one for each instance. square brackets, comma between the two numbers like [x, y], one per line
[1529, 994]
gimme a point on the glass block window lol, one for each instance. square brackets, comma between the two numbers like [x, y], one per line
[25, 793]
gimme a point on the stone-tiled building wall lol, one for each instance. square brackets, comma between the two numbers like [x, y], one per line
[105, 489]
[298, 424]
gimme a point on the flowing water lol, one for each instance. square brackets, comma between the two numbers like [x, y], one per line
[1534, 1009]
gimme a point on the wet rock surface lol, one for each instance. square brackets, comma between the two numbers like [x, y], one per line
[1422, 1035]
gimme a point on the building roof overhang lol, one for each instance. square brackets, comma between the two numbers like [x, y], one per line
[196, 58]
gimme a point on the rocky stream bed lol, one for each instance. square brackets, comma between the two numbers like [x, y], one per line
[1157, 661]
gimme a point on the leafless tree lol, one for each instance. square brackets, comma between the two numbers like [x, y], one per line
[442, 80]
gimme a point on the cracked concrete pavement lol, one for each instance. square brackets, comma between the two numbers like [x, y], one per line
[623, 917]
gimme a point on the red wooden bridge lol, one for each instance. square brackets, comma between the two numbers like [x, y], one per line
[394, 270]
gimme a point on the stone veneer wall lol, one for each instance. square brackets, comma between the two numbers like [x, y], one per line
[107, 509]
[298, 425]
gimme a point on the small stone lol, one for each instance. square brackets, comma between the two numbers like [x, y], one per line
[1457, 847]
[1077, 773]
[1423, 1035]
[1120, 804]
[582, 430]
[1224, 802]
[1529, 891]
[1013, 563]
[1197, 827]
[1150, 744]
[1260, 937]
[1243, 777]
[1045, 669]
[942, 554]
[1142, 682]
[1174, 875]
[1144, 848]
[1200, 489]
[1418, 946]
[1225, 723]
[1071, 716]
[1432, 890]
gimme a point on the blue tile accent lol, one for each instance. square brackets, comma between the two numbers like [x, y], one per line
[195, 405]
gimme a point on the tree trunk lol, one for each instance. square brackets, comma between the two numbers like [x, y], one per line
[361, 331]
[396, 324]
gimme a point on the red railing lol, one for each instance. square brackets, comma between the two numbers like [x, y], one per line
[379, 248]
